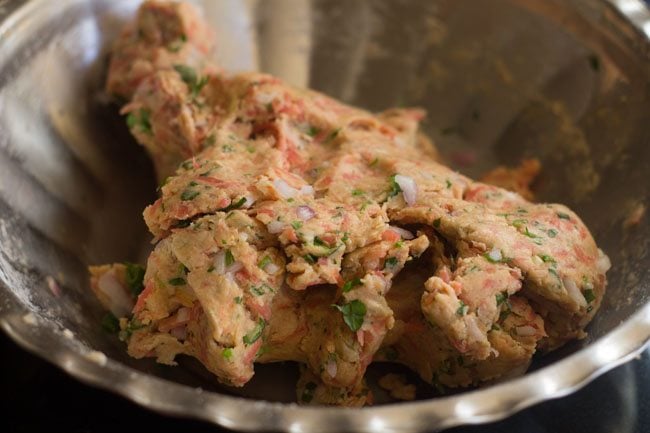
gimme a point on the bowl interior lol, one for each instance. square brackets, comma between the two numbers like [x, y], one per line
[564, 81]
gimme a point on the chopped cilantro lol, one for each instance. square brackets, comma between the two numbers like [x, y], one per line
[229, 259]
[448, 183]
[589, 295]
[189, 194]
[227, 148]
[310, 258]
[308, 393]
[501, 298]
[519, 222]
[357, 192]
[141, 120]
[266, 260]
[374, 162]
[546, 258]
[563, 216]
[134, 277]
[319, 242]
[354, 313]
[110, 324]
[390, 262]
[234, 205]
[210, 140]
[178, 281]
[296, 225]
[462, 309]
[436, 223]
[530, 234]
[257, 290]
[227, 353]
[551, 233]
[394, 187]
[312, 131]
[189, 76]
[332, 135]
[351, 285]
[255, 333]
[238, 299]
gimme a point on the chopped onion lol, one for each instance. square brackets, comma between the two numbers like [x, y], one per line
[179, 332]
[220, 262]
[603, 264]
[271, 268]
[305, 213]
[264, 98]
[526, 331]
[405, 234]
[474, 330]
[234, 267]
[182, 315]
[307, 190]
[275, 226]
[408, 187]
[495, 255]
[574, 292]
[249, 201]
[243, 236]
[331, 368]
[284, 189]
[119, 301]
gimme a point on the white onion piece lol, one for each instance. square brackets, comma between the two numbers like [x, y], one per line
[220, 262]
[283, 189]
[307, 190]
[526, 331]
[243, 236]
[405, 234]
[271, 268]
[119, 301]
[275, 227]
[574, 293]
[179, 332]
[305, 213]
[264, 98]
[249, 201]
[408, 187]
[603, 264]
[331, 368]
[237, 266]
[182, 315]
[474, 330]
[495, 255]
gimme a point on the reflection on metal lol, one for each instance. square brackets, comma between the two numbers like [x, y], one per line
[566, 81]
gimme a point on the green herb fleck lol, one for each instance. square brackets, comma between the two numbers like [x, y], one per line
[546, 258]
[354, 313]
[257, 290]
[256, 333]
[189, 194]
[390, 262]
[308, 393]
[238, 299]
[266, 260]
[110, 324]
[436, 222]
[394, 187]
[551, 233]
[530, 234]
[374, 162]
[132, 326]
[448, 183]
[230, 259]
[296, 225]
[141, 119]
[332, 135]
[227, 353]
[589, 295]
[134, 277]
[462, 309]
[227, 148]
[351, 285]
[501, 298]
[563, 216]
[519, 222]
[178, 281]
[189, 76]
[310, 258]
[234, 205]
[357, 192]
[312, 131]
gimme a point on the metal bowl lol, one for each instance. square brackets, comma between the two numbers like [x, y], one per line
[566, 81]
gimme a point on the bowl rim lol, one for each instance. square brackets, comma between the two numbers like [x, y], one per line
[37, 335]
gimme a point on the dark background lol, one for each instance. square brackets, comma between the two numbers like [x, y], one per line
[38, 397]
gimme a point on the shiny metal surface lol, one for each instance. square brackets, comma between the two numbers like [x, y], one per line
[566, 81]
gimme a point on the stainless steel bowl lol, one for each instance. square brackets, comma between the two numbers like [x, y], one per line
[566, 81]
